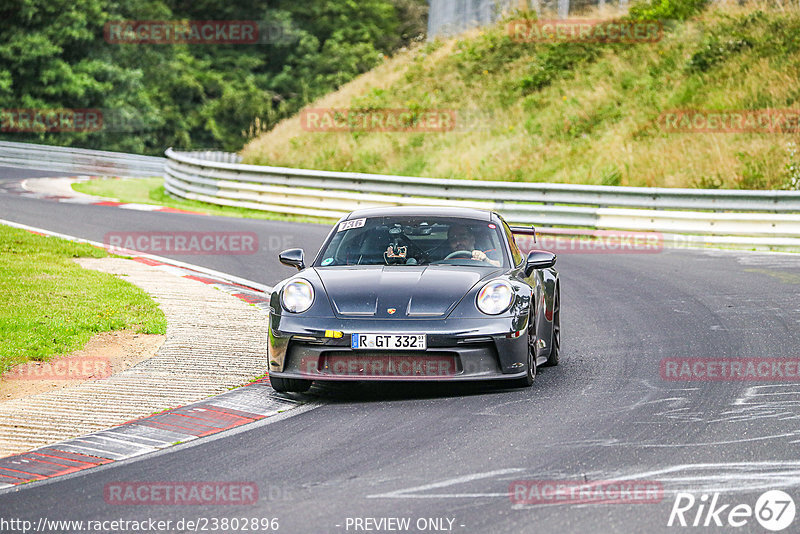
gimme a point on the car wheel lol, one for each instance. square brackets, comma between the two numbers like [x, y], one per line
[285, 385]
[555, 340]
[530, 368]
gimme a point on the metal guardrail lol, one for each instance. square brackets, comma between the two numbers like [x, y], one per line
[79, 160]
[684, 217]
[729, 217]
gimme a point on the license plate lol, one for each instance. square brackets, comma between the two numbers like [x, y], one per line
[389, 341]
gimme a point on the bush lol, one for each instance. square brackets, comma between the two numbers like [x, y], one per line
[666, 9]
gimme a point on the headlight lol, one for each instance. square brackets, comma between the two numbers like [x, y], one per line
[297, 296]
[495, 297]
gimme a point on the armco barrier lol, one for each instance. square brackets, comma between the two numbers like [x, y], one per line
[686, 217]
[79, 160]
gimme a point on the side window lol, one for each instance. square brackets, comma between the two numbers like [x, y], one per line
[516, 254]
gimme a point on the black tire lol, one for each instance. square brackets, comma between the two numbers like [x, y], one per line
[555, 339]
[286, 385]
[530, 368]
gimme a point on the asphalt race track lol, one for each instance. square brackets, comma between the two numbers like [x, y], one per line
[453, 452]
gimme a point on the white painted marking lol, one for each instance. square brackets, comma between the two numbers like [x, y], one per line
[698, 478]
[406, 493]
[139, 207]
[726, 477]
[770, 391]
[84, 201]
[102, 439]
[136, 435]
[70, 446]
[178, 271]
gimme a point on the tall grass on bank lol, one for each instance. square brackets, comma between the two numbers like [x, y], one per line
[575, 112]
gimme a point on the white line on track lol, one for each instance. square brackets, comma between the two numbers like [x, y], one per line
[407, 493]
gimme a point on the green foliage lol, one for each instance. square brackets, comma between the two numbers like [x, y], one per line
[53, 55]
[792, 167]
[753, 171]
[708, 182]
[610, 175]
[666, 10]
[555, 62]
[715, 51]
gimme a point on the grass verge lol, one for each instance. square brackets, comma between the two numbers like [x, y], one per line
[151, 191]
[575, 112]
[51, 306]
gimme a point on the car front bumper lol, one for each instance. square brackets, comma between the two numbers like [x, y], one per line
[457, 349]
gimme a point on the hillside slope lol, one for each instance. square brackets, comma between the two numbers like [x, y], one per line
[574, 112]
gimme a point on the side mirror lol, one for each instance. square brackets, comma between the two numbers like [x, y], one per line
[293, 258]
[539, 259]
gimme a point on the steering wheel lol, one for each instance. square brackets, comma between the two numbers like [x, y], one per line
[467, 254]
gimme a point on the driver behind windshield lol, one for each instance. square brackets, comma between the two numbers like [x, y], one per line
[461, 237]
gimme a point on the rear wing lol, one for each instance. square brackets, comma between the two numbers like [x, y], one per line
[524, 230]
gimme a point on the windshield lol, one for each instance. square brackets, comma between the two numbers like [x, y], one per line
[414, 241]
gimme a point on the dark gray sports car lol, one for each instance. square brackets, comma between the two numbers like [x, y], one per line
[415, 293]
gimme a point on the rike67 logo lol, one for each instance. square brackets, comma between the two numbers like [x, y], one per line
[774, 510]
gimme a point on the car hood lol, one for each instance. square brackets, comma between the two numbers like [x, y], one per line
[397, 292]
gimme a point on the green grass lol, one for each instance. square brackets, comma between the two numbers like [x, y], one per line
[50, 306]
[575, 112]
[151, 191]
[133, 190]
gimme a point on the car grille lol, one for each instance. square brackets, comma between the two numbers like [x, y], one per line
[397, 364]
